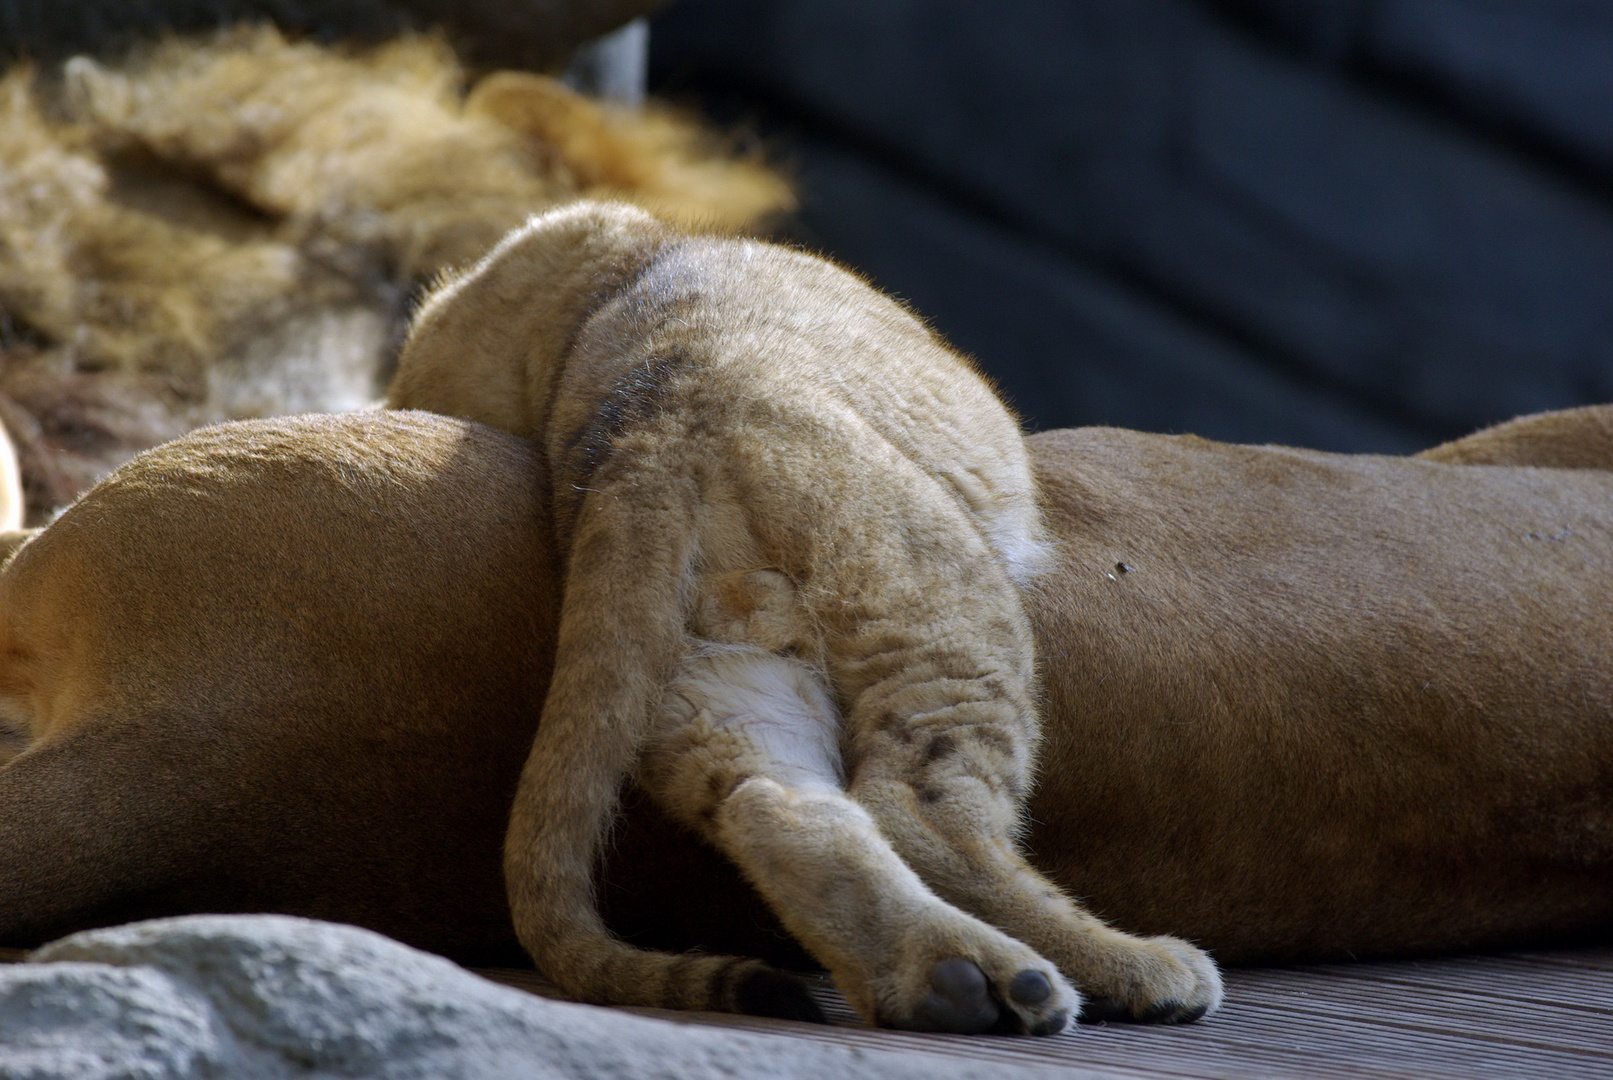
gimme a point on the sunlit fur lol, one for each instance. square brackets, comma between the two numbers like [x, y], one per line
[750, 447]
[1297, 706]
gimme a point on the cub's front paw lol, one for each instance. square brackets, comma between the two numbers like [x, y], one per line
[1009, 991]
[1152, 981]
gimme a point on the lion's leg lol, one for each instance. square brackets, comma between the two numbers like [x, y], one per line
[622, 632]
[947, 821]
[747, 753]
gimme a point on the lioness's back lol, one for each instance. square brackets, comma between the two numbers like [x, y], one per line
[1261, 655]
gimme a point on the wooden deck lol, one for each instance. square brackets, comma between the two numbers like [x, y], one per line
[1525, 1015]
[1521, 1015]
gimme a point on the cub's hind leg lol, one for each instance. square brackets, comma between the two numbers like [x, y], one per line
[923, 636]
[943, 731]
[622, 630]
[944, 767]
[747, 753]
[956, 832]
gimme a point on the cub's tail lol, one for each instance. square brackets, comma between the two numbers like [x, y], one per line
[622, 631]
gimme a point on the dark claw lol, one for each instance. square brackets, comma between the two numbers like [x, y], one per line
[1054, 1024]
[958, 1002]
[1029, 988]
[1160, 1012]
[778, 994]
[1169, 1011]
[1104, 1010]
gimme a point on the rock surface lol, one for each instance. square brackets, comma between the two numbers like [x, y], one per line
[272, 996]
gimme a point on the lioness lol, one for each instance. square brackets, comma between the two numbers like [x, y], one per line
[793, 526]
[1298, 706]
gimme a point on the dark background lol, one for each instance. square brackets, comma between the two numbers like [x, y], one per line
[1335, 223]
[1350, 224]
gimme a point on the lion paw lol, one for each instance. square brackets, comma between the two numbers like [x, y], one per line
[996, 991]
[1161, 980]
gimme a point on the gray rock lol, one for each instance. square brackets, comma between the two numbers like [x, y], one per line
[94, 1020]
[274, 996]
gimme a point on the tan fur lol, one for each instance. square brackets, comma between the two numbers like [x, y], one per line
[1570, 439]
[126, 289]
[1298, 706]
[1288, 652]
[233, 225]
[793, 523]
[102, 819]
[380, 150]
[652, 157]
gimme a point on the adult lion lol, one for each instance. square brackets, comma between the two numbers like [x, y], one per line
[1297, 705]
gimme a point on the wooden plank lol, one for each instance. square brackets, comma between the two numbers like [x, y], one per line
[1465, 1017]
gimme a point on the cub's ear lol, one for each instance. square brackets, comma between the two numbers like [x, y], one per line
[483, 342]
[465, 350]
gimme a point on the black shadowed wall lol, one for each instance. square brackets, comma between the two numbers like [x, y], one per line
[498, 33]
[1338, 223]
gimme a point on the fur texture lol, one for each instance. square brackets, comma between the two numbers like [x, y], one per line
[1299, 706]
[789, 515]
[234, 226]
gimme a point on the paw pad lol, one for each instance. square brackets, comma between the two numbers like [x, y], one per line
[1030, 988]
[1101, 1010]
[1110, 1010]
[1159, 1012]
[958, 1001]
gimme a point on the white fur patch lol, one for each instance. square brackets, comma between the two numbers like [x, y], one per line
[780, 706]
[1007, 513]
[1024, 553]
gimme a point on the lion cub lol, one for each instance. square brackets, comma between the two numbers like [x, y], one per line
[794, 524]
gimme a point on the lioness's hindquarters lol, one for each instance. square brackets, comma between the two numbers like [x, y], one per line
[282, 665]
[793, 522]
